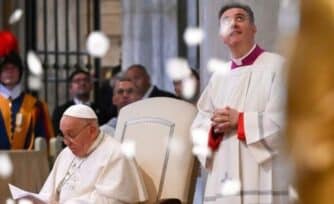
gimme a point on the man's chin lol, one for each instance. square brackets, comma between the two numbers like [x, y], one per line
[9, 83]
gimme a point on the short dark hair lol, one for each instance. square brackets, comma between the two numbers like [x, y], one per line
[12, 58]
[244, 7]
[140, 67]
[76, 72]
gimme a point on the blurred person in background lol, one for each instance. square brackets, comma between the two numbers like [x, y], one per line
[80, 89]
[137, 73]
[23, 117]
[124, 93]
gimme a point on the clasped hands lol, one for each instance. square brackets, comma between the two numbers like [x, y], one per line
[224, 120]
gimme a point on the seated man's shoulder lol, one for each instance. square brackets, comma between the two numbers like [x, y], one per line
[161, 93]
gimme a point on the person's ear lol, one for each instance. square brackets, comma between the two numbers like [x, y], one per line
[114, 99]
[254, 28]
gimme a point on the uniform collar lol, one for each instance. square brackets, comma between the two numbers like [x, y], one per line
[13, 94]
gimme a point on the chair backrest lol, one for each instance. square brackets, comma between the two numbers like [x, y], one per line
[160, 129]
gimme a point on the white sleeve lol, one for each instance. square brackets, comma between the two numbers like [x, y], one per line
[49, 186]
[263, 129]
[202, 120]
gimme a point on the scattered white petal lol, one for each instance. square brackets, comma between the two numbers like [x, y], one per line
[230, 187]
[34, 64]
[293, 195]
[35, 82]
[226, 27]
[6, 167]
[25, 201]
[176, 146]
[199, 136]
[129, 148]
[178, 68]
[193, 36]
[189, 87]
[15, 17]
[97, 44]
[217, 65]
[201, 151]
[108, 74]
[10, 201]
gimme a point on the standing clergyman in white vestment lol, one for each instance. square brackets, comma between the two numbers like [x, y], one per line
[92, 168]
[242, 111]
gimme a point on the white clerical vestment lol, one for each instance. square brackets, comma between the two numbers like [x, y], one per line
[256, 90]
[105, 176]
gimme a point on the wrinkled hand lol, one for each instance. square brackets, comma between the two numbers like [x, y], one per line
[224, 120]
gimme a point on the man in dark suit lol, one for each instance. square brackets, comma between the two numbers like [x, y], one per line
[138, 75]
[80, 88]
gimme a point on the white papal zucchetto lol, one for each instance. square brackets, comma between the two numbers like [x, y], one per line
[80, 111]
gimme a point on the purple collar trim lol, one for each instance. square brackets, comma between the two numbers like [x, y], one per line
[250, 59]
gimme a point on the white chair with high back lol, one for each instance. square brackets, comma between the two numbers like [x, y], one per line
[160, 130]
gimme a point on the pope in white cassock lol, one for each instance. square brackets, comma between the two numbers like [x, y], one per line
[242, 111]
[92, 168]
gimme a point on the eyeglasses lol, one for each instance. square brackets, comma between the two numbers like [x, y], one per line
[72, 137]
[124, 91]
[85, 80]
[237, 18]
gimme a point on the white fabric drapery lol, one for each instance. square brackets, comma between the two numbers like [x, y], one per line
[150, 36]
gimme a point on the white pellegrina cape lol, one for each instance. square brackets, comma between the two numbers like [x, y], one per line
[258, 91]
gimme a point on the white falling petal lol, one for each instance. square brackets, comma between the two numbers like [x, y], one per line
[293, 195]
[35, 82]
[97, 44]
[10, 201]
[193, 36]
[230, 187]
[199, 136]
[176, 146]
[16, 16]
[34, 63]
[6, 167]
[217, 65]
[129, 148]
[226, 26]
[201, 151]
[25, 201]
[178, 68]
[200, 142]
[189, 87]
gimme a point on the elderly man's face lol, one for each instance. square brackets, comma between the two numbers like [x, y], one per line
[79, 134]
[81, 85]
[242, 30]
[139, 78]
[9, 75]
[124, 94]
